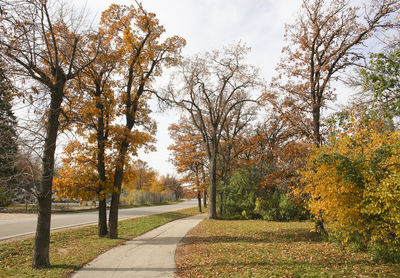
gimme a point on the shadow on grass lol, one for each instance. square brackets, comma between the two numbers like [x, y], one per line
[260, 265]
[65, 266]
[286, 236]
[312, 268]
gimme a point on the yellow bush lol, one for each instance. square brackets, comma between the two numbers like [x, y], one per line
[353, 183]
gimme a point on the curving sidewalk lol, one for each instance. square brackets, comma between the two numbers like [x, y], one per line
[149, 255]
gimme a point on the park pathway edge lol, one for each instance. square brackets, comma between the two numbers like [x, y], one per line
[149, 255]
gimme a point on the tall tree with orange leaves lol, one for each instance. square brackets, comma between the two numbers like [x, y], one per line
[94, 116]
[137, 38]
[92, 113]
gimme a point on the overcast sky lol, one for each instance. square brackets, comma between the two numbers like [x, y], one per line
[212, 24]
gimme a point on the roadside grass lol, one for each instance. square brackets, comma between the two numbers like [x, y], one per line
[71, 249]
[152, 205]
[256, 248]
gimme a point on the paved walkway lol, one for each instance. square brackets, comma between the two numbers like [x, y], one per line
[149, 255]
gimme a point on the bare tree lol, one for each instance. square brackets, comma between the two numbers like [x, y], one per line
[44, 44]
[214, 85]
[232, 143]
[326, 39]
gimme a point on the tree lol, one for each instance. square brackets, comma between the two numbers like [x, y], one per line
[188, 155]
[268, 158]
[240, 195]
[28, 166]
[8, 137]
[96, 81]
[323, 42]
[79, 177]
[142, 176]
[214, 84]
[91, 113]
[231, 144]
[381, 80]
[172, 184]
[136, 37]
[42, 42]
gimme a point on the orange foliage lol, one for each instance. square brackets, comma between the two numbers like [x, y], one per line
[188, 154]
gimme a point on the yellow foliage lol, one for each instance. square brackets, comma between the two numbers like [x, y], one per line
[354, 184]
[78, 178]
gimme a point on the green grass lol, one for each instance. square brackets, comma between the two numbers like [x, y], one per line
[256, 248]
[151, 205]
[71, 249]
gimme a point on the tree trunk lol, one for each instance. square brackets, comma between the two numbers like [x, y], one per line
[221, 205]
[318, 222]
[42, 240]
[316, 113]
[102, 227]
[199, 199]
[319, 226]
[41, 257]
[205, 198]
[213, 185]
[118, 176]
[101, 169]
[113, 217]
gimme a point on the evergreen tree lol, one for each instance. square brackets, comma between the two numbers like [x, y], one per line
[8, 142]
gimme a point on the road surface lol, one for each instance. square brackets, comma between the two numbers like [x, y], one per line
[10, 228]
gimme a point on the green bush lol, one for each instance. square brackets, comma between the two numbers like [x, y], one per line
[385, 253]
[278, 207]
[240, 196]
[245, 199]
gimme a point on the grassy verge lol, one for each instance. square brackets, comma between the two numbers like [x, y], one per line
[270, 249]
[151, 205]
[71, 249]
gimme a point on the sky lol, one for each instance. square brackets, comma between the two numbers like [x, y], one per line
[208, 25]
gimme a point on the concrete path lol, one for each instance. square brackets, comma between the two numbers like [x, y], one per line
[149, 255]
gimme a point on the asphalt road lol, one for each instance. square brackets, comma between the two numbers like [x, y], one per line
[24, 226]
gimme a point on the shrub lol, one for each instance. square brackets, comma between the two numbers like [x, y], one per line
[353, 183]
[240, 196]
[245, 199]
[278, 207]
[385, 253]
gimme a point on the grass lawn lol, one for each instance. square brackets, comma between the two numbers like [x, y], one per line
[255, 248]
[71, 249]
